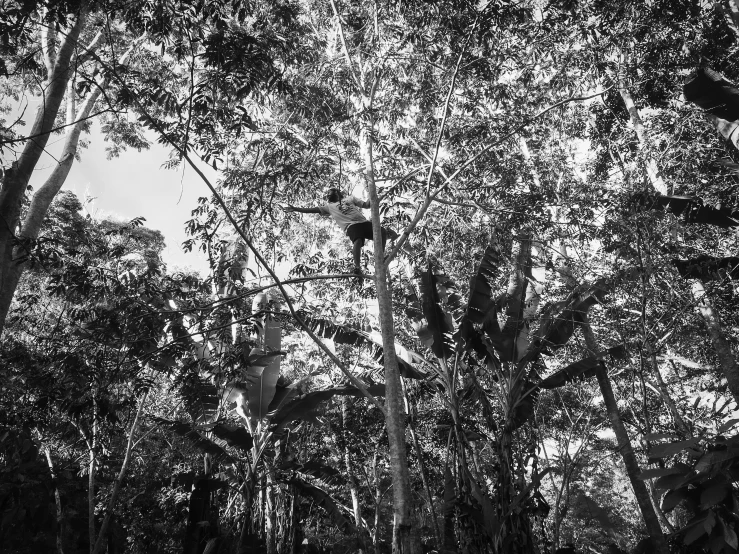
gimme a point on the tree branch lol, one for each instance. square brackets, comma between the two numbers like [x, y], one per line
[427, 202]
[446, 112]
[119, 480]
[349, 64]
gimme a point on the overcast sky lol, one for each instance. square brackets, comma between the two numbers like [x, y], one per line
[133, 185]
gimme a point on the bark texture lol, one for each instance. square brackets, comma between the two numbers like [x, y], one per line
[404, 540]
[643, 498]
[15, 182]
[723, 350]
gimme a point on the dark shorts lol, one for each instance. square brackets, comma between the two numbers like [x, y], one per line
[362, 231]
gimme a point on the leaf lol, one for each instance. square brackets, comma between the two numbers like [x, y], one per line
[658, 472]
[325, 501]
[597, 512]
[581, 369]
[450, 494]
[201, 399]
[693, 532]
[691, 208]
[439, 321]
[479, 302]
[523, 408]
[185, 430]
[236, 436]
[673, 498]
[318, 470]
[407, 359]
[714, 492]
[555, 331]
[301, 407]
[669, 482]
[730, 537]
[343, 334]
[714, 458]
[728, 425]
[669, 449]
[710, 91]
[262, 373]
[651, 437]
[488, 517]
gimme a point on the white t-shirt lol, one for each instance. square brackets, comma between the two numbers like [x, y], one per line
[346, 212]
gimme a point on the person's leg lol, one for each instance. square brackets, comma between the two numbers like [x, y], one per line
[356, 251]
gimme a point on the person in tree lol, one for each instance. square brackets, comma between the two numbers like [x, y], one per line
[346, 212]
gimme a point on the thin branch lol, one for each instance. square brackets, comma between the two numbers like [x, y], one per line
[446, 112]
[59, 128]
[349, 64]
[91, 47]
[253, 291]
[121, 476]
[424, 207]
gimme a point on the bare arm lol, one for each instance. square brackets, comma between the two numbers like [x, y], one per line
[362, 203]
[302, 210]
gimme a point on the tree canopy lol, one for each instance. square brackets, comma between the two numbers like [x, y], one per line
[543, 360]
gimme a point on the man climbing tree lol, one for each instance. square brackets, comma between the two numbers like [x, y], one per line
[347, 215]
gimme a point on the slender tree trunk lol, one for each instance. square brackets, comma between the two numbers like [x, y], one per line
[641, 134]
[678, 420]
[15, 181]
[119, 480]
[729, 131]
[62, 64]
[404, 540]
[726, 358]
[58, 502]
[351, 478]
[419, 454]
[631, 464]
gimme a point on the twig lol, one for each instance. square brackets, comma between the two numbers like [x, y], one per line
[424, 207]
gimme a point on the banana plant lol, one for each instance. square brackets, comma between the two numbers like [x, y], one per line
[488, 339]
[266, 407]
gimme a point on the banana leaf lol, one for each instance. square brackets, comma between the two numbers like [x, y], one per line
[234, 435]
[314, 469]
[344, 334]
[261, 375]
[439, 322]
[708, 268]
[581, 369]
[198, 441]
[325, 501]
[303, 407]
[201, 399]
[479, 302]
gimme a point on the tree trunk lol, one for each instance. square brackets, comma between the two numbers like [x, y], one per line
[641, 134]
[726, 358]
[91, 474]
[680, 426]
[350, 477]
[422, 470]
[404, 540]
[119, 480]
[16, 179]
[624, 447]
[58, 502]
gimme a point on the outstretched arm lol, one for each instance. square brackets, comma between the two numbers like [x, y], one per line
[302, 210]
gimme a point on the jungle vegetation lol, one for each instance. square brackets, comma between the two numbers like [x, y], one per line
[544, 361]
